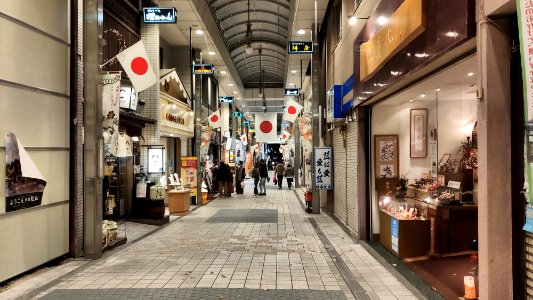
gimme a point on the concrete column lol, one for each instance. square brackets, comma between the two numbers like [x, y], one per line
[183, 147]
[494, 159]
[315, 77]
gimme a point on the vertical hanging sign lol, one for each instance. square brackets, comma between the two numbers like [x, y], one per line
[110, 111]
[525, 25]
[323, 160]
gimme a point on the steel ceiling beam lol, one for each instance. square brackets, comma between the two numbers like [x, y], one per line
[258, 41]
[229, 38]
[261, 11]
[226, 3]
[255, 57]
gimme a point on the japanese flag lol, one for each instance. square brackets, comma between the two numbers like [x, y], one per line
[266, 127]
[135, 62]
[285, 135]
[292, 109]
[244, 139]
[215, 120]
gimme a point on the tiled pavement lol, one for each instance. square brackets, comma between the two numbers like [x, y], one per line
[242, 247]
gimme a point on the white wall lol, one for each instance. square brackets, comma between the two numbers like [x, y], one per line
[31, 237]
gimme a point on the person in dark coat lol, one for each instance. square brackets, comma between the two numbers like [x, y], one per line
[239, 178]
[214, 172]
[222, 178]
[263, 173]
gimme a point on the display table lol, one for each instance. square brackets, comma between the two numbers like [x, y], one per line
[404, 238]
[179, 200]
[454, 228]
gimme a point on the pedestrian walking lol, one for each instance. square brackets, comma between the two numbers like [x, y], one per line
[280, 170]
[263, 173]
[222, 177]
[289, 174]
[256, 177]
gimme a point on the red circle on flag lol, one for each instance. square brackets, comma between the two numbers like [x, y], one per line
[214, 119]
[265, 126]
[291, 110]
[139, 65]
[284, 136]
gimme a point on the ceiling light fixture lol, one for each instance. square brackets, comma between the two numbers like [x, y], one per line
[352, 20]
[230, 84]
[199, 32]
[294, 71]
[248, 36]
[411, 100]
[470, 74]
[234, 92]
[301, 32]
[223, 72]
[211, 53]
[423, 95]
[382, 20]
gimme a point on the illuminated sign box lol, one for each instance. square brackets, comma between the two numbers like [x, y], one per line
[300, 47]
[292, 92]
[159, 15]
[246, 123]
[225, 99]
[128, 97]
[204, 69]
[238, 114]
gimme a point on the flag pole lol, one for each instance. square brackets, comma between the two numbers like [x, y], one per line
[103, 65]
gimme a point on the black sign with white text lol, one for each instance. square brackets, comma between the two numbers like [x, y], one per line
[297, 47]
[159, 15]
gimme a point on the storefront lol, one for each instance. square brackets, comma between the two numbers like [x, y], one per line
[416, 97]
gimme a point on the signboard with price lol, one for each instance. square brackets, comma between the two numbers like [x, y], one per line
[189, 171]
[323, 160]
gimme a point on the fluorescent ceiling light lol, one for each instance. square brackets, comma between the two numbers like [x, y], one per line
[230, 84]
[301, 31]
[294, 71]
[199, 32]
[223, 72]
[470, 74]
[211, 53]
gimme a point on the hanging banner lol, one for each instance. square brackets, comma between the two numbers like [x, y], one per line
[207, 136]
[525, 22]
[323, 161]
[306, 134]
[266, 126]
[24, 183]
[189, 171]
[110, 111]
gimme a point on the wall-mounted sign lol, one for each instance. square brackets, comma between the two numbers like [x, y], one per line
[334, 104]
[245, 123]
[395, 237]
[238, 114]
[225, 99]
[189, 171]
[292, 92]
[323, 159]
[159, 15]
[204, 69]
[392, 37]
[175, 119]
[298, 47]
[155, 160]
[128, 97]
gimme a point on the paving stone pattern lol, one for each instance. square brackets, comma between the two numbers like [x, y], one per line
[255, 254]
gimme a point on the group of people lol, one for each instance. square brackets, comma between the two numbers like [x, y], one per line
[222, 177]
[260, 176]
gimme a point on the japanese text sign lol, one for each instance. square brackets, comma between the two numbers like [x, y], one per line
[323, 160]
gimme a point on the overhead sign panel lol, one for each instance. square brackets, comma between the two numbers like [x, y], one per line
[292, 92]
[159, 15]
[225, 99]
[238, 114]
[204, 69]
[245, 123]
[299, 47]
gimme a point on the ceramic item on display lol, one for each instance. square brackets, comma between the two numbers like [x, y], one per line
[157, 192]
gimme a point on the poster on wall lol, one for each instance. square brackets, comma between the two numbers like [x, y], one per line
[323, 161]
[418, 132]
[306, 134]
[386, 156]
[24, 183]
[110, 111]
[189, 170]
[155, 160]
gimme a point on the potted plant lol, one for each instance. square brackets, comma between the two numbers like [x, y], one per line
[401, 188]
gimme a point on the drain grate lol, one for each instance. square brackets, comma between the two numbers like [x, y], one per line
[245, 216]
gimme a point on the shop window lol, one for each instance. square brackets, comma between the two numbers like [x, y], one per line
[424, 162]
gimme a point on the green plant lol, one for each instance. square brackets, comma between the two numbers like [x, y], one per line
[401, 187]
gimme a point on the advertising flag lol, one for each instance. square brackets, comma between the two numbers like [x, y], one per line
[291, 111]
[135, 63]
[266, 126]
[285, 135]
[215, 120]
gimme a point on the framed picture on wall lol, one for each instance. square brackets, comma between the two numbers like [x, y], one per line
[418, 133]
[386, 156]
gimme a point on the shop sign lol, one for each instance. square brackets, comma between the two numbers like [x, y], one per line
[405, 24]
[225, 99]
[175, 119]
[159, 15]
[299, 47]
[245, 123]
[204, 69]
[155, 160]
[110, 112]
[334, 104]
[323, 161]
[292, 92]
[394, 234]
[24, 183]
[238, 114]
[128, 97]
[189, 171]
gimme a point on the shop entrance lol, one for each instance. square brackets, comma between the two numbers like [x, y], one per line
[423, 176]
